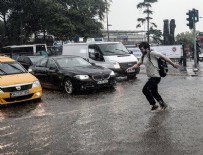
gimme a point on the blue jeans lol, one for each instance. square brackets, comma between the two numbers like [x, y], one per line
[150, 90]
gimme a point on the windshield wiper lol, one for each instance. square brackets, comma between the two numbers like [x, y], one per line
[109, 51]
[122, 51]
[3, 71]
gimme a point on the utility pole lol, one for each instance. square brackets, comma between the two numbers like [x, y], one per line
[193, 18]
[107, 20]
[21, 24]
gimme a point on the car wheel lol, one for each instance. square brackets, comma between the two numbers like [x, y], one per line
[68, 86]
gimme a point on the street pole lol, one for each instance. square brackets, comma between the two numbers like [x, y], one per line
[21, 23]
[195, 47]
[107, 24]
[107, 21]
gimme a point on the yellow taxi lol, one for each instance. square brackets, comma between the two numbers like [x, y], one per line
[16, 83]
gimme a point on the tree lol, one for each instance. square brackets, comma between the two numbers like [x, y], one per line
[62, 18]
[86, 16]
[146, 5]
[185, 38]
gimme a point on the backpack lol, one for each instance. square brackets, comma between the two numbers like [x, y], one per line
[162, 66]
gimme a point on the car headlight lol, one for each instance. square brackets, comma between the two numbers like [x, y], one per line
[112, 73]
[116, 65]
[36, 84]
[82, 77]
[29, 70]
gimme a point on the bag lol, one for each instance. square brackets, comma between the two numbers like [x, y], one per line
[162, 66]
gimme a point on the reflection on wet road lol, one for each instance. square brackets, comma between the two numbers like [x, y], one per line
[107, 122]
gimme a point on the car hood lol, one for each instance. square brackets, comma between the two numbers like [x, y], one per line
[14, 79]
[121, 58]
[88, 70]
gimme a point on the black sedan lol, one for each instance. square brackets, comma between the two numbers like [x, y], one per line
[72, 73]
[27, 61]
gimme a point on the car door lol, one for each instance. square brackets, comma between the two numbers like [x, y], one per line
[53, 75]
[40, 71]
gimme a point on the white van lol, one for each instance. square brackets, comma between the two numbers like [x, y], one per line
[112, 55]
[17, 50]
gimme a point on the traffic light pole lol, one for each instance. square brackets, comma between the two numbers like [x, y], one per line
[195, 47]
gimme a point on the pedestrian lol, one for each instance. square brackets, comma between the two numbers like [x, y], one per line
[150, 89]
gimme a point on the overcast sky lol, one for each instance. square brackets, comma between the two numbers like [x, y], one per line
[123, 14]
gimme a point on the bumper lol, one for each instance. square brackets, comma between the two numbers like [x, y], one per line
[89, 85]
[123, 73]
[34, 93]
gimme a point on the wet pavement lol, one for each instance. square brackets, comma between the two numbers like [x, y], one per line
[110, 122]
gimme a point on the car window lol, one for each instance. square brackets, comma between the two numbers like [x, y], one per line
[11, 68]
[51, 64]
[72, 62]
[42, 63]
[20, 59]
[27, 60]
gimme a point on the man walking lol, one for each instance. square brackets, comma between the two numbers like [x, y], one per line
[150, 89]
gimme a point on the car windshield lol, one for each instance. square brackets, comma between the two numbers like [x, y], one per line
[11, 68]
[36, 59]
[69, 62]
[113, 49]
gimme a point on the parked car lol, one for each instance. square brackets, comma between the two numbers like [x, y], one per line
[27, 61]
[72, 73]
[133, 49]
[16, 84]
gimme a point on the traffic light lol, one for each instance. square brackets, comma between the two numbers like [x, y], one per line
[190, 14]
[196, 15]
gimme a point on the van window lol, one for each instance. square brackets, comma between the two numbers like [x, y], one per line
[113, 49]
[40, 48]
[95, 53]
[18, 50]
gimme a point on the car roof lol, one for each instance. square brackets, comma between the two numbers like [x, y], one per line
[6, 59]
[31, 56]
[64, 56]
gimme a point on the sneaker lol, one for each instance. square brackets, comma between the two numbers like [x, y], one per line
[163, 105]
[154, 107]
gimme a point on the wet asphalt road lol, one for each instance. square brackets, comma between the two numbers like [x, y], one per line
[110, 122]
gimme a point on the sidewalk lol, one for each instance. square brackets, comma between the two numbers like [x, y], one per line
[182, 71]
[190, 70]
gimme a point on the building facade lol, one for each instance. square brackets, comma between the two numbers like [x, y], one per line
[126, 37]
[200, 39]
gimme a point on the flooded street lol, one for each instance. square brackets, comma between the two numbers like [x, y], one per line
[107, 122]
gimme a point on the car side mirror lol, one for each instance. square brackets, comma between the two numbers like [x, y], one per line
[130, 52]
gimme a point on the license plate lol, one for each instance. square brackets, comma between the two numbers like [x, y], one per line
[102, 82]
[19, 93]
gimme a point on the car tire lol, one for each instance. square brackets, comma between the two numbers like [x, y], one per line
[68, 86]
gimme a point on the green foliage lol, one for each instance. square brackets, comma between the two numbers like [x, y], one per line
[185, 38]
[62, 18]
[146, 4]
[1, 28]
